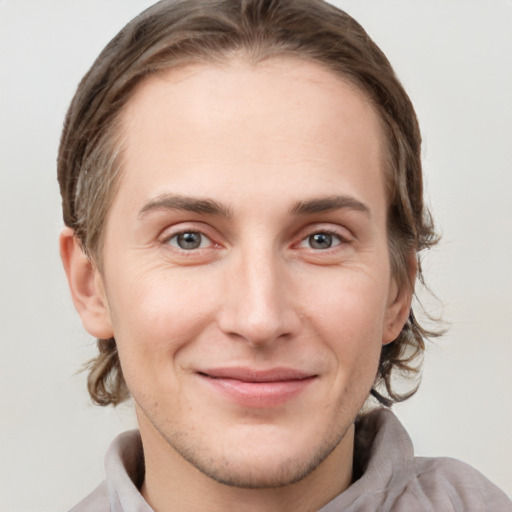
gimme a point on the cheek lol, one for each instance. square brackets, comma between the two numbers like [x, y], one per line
[352, 305]
[350, 316]
[155, 314]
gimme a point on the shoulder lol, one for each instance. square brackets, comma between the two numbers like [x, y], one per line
[97, 501]
[390, 478]
[451, 485]
[124, 465]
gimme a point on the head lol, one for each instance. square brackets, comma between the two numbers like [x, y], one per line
[175, 35]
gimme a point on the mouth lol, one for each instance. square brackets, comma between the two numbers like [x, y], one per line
[249, 387]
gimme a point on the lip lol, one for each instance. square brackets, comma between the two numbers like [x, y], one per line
[250, 387]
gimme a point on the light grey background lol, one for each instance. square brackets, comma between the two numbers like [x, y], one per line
[455, 59]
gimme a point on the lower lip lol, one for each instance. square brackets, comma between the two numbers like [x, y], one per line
[259, 394]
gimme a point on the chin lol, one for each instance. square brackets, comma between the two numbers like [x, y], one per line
[263, 475]
[288, 473]
[261, 464]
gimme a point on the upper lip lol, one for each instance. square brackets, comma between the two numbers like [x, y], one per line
[246, 374]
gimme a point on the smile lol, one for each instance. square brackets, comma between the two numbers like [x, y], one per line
[255, 388]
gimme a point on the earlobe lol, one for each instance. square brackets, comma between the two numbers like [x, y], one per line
[399, 305]
[86, 286]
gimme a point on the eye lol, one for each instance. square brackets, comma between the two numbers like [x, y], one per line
[189, 240]
[321, 241]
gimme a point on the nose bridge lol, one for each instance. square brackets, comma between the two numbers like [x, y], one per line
[261, 277]
[258, 307]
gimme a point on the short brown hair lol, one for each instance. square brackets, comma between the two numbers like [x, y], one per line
[174, 32]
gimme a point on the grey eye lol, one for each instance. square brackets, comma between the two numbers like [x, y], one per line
[188, 240]
[321, 241]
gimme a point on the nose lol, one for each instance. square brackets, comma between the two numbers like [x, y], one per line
[259, 304]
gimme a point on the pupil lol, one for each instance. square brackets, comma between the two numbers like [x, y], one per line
[320, 241]
[189, 240]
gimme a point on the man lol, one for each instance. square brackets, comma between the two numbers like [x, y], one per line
[242, 191]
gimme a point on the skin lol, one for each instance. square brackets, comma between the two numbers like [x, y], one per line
[275, 170]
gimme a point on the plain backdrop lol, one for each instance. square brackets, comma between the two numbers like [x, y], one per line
[454, 58]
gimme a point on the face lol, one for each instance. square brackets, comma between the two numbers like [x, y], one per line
[246, 276]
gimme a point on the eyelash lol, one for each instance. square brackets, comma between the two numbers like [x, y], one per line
[176, 236]
[331, 236]
[340, 239]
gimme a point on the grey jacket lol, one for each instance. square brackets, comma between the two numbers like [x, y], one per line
[387, 477]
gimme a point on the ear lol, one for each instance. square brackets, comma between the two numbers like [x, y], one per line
[86, 286]
[399, 305]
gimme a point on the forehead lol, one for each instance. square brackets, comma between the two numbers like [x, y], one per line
[243, 123]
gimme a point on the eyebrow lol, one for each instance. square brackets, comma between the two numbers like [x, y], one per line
[211, 207]
[326, 204]
[185, 203]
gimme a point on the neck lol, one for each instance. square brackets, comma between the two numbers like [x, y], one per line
[172, 483]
